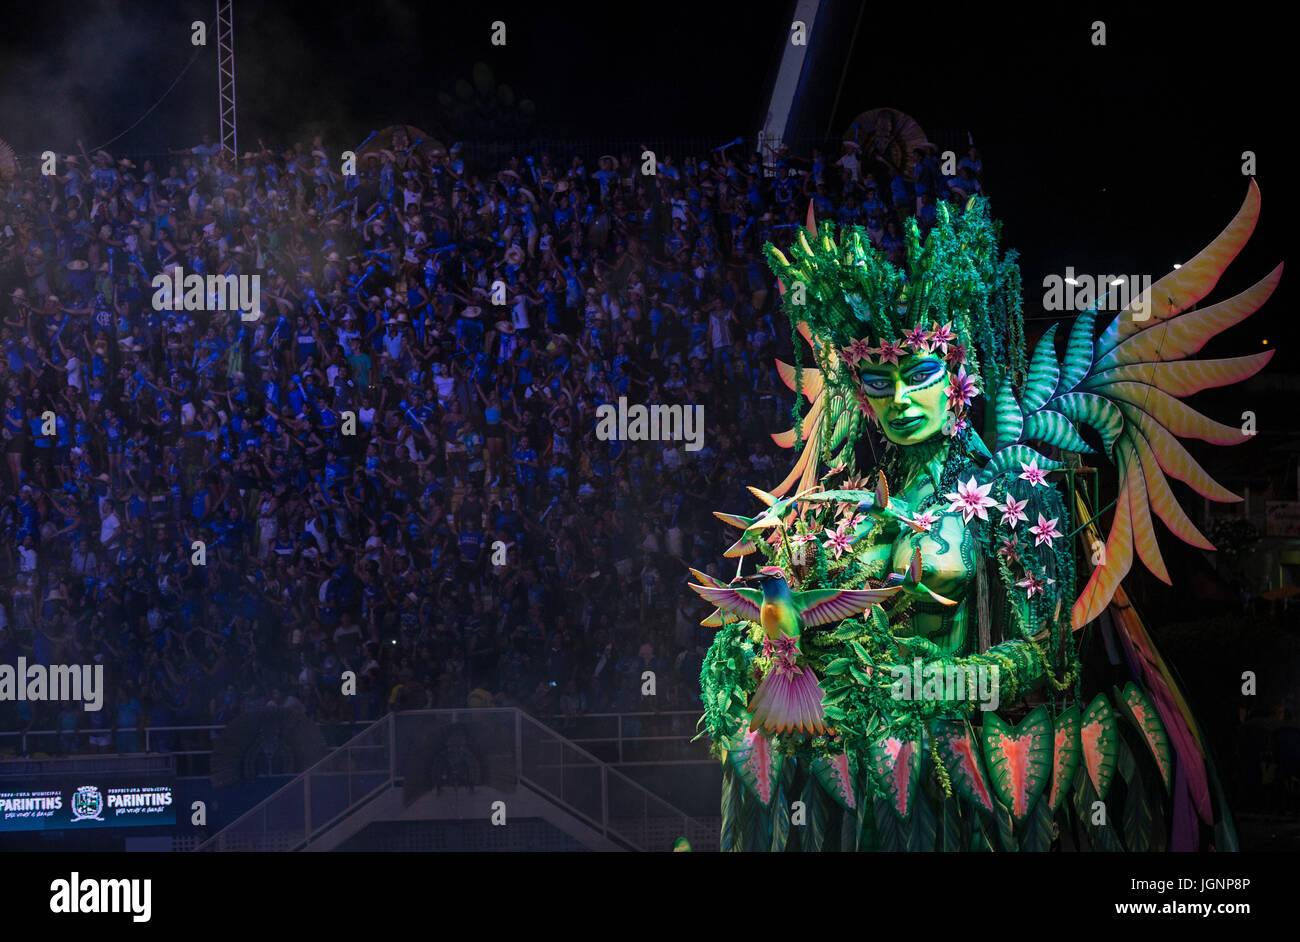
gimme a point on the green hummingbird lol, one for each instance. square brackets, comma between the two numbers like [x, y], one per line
[910, 582]
[790, 696]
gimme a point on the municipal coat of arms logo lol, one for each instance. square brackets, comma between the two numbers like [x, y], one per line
[87, 804]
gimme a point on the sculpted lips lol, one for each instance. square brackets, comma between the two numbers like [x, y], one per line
[906, 423]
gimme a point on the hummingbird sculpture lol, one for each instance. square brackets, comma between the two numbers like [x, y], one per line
[790, 696]
[873, 506]
[910, 582]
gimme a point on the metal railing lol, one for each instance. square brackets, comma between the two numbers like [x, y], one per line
[30, 770]
[606, 799]
[347, 778]
[633, 739]
[195, 742]
[662, 738]
[428, 750]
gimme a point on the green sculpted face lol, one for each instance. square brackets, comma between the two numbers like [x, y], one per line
[910, 399]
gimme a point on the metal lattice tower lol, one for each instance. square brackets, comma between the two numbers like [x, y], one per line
[226, 77]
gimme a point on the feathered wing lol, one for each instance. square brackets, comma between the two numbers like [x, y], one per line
[1156, 677]
[1128, 385]
[832, 418]
[826, 606]
[718, 618]
[740, 602]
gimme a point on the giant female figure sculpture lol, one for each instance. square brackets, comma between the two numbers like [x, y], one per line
[905, 667]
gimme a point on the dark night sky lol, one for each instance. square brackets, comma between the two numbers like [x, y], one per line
[1143, 137]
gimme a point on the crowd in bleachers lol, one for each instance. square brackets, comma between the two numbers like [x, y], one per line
[474, 541]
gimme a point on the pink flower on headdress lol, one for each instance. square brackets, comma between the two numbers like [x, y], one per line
[1033, 474]
[890, 352]
[1045, 531]
[956, 354]
[962, 389]
[971, 499]
[801, 538]
[1010, 549]
[859, 349]
[940, 337]
[1012, 511]
[863, 405]
[916, 339]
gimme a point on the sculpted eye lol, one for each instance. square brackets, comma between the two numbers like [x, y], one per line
[876, 384]
[923, 372]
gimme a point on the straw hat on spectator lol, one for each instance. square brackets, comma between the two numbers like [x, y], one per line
[321, 154]
[505, 327]
[508, 173]
[126, 164]
[472, 312]
[71, 160]
[561, 186]
[514, 255]
[78, 264]
[18, 294]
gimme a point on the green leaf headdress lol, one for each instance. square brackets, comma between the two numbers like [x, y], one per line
[955, 295]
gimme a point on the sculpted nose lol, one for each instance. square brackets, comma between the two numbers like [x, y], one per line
[900, 393]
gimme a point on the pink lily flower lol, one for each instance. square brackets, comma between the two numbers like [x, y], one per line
[971, 499]
[1033, 474]
[1012, 511]
[1045, 532]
